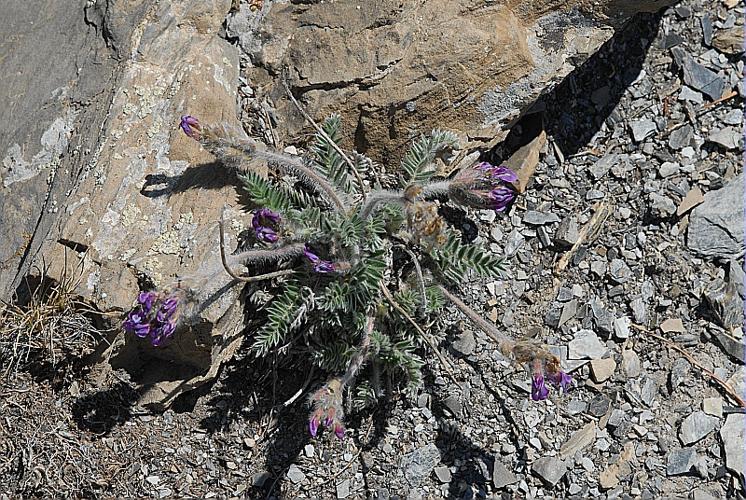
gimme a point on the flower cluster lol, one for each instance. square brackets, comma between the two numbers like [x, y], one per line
[191, 126]
[154, 317]
[319, 265]
[551, 372]
[327, 403]
[484, 186]
[265, 223]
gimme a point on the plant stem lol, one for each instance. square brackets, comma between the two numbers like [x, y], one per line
[380, 196]
[487, 327]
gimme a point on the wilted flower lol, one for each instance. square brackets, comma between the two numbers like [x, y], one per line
[560, 379]
[191, 126]
[263, 221]
[545, 367]
[539, 390]
[313, 425]
[327, 403]
[484, 186]
[319, 265]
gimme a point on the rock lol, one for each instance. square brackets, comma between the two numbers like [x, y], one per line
[641, 129]
[603, 165]
[465, 343]
[523, 162]
[389, 68]
[443, 474]
[687, 94]
[697, 76]
[583, 437]
[703, 494]
[715, 229]
[631, 363]
[419, 464]
[602, 369]
[622, 327]
[724, 303]
[706, 23]
[669, 168]
[733, 117]
[672, 325]
[679, 372]
[619, 271]
[696, 426]
[733, 435]
[501, 476]
[733, 347]
[661, 206]
[599, 405]
[681, 461]
[729, 41]
[295, 475]
[681, 137]
[586, 345]
[728, 137]
[639, 310]
[539, 219]
[569, 309]
[713, 406]
[550, 469]
[693, 198]
[514, 243]
[567, 232]
[453, 404]
[343, 489]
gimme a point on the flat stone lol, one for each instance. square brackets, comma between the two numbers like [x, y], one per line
[681, 137]
[569, 309]
[641, 129]
[681, 461]
[295, 475]
[668, 168]
[639, 310]
[703, 494]
[726, 307]
[619, 271]
[599, 405]
[672, 325]
[443, 474]
[514, 242]
[729, 41]
[733, 117]
[465, 343]
[733, 435]
[622, 327]
[603, 165]
[585, 436]
[697, 76]
[602, 369]
[538, 218]
[550, 469]
[631, 363]
[419, 464]
[343, 489]
[679, 372]
[693, 198]
[715, 228]
[567, 232]
[661, 205]
[586, 345]
[713, 406]
[696, 426]
[501, 476]
[728, 137]
[706, 23]
[687, 94]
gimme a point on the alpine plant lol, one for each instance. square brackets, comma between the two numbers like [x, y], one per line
[362, 264]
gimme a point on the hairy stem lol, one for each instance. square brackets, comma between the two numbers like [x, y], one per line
[502, 340]
[268, 255]
[362, 353]
[436, 189]
[377, 197]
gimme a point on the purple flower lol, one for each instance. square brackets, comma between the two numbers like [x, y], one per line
[262, 223]
[191, 127]
[501, 198]
[313, 425]
[560, 379]
[319, 266]
[146, 299]
[339, 430]
[137, 323]
[539, 390]
[502, 172]
[161, 333]
[167, 309]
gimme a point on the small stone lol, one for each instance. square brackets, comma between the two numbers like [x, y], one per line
[308, 450]
[603, 165]
[669, 168]
[681, 137]
[733, 117]
[639, 310]
[706, 23]
[619, 271]
[154, 480]
[631, 363]
[715, 229]
[687, 94]
[622, 327]
[465, 343]
[696, 426]
[538, 218]
[550, 469]
[602, 369]
[599, 405]
[681, 460]
[420, 463]
[583, 437]
[728, 137]
[729, 41]
[679, 372]
[568, 312]
[641, 129]
[693, 198]
[343, 489]
[697, 76]
[443, 474]
[703, 494]
[501, 476]
[514, 243]
[713, 406]
[586, 345]
[295, 475]
[662, 206]
[567, 232]
[260, 478]
[672, 325]
[733, 434]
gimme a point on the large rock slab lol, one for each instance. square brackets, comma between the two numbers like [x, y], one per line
[395, 69]
[716, 227]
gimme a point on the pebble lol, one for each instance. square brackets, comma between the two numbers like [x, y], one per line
[728, 137]
[586, 345]
[343, 489]
[308, 450]
[619, 271]
[696, 426]
[713, 406]
[501, 476]
[697, 76]
[681, 137]
[687, 94]
[680, 461]
[443, 474]
[599, 405]
[602, 369]
[672, 325]
[641, 129]
[550, 469]
[622, 327]
[539, 219]
[465, 343]
[295, 475]
[585, 436]
[669, 168]
[419, 464]
[733, 435]
[631, 363]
